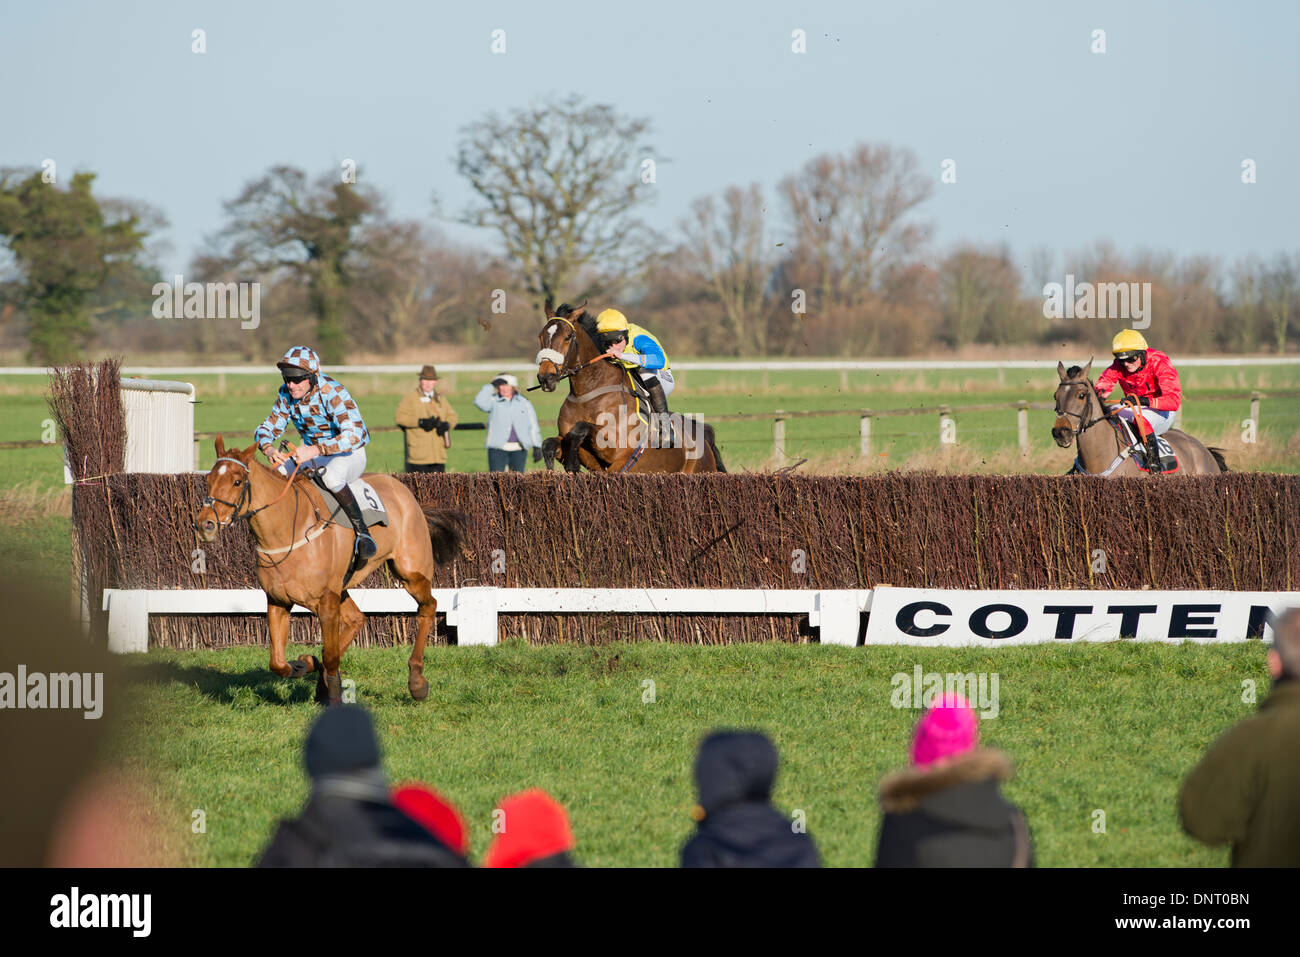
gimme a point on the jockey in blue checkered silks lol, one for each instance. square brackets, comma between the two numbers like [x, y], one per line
[333, 433]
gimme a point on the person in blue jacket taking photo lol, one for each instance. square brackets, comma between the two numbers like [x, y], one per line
[512, 427]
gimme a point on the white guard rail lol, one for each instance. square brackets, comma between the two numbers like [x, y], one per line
[473, 612]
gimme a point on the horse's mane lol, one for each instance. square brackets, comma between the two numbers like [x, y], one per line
[587, 320]
[1074, 372]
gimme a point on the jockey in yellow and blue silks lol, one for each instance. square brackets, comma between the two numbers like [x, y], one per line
[634, 347]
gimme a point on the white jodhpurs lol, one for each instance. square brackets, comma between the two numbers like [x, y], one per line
[665, 377]
[1161, 422]
[340, 469]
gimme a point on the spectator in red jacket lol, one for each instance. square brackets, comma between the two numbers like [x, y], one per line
[1150, 381]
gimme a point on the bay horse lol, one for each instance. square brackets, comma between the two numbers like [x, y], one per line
[302, 557]
[1104, 452]
[598, 424]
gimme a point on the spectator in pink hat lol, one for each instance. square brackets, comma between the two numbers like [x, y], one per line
[946, 809]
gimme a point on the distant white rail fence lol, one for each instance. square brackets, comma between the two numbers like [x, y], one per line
[746, 365]
[473, 611]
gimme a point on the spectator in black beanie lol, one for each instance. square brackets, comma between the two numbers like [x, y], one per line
[349, 819]
[738, 826]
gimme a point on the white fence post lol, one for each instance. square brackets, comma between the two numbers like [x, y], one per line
[128, 621]
[836, 617]
[864, 434]
[1022, 425]
[476, 616]
[778, 438]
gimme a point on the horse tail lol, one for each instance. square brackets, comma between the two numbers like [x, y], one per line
[446, 531]
[713, 445]
[1218, 457]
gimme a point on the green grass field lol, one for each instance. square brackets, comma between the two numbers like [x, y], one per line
[1113, 728]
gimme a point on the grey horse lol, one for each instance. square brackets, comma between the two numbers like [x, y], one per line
[1081, 418]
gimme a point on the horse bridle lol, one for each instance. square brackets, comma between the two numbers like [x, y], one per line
[566, 372]
[245, 494]
[552, 354]
[238, 503]
[1083, 426]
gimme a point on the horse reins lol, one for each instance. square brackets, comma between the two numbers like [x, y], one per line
[587, 396]
[1083, 426]
[246, 494]
[550, 354]
[1121, 450]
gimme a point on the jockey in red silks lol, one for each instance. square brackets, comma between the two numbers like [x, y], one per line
[1150, 383]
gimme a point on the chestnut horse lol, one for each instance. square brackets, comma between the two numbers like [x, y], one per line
[598, 423]
[302, 557]
[1102, 451]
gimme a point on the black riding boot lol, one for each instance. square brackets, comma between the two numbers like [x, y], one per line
[1152, 447]
[659, 411]
[366, 546]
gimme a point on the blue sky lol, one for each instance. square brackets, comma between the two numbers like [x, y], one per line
[1055, 145]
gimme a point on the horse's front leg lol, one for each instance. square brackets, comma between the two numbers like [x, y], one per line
[551, 449]
[277, 620]
[571, 444]
[277, 623]
[330, 687]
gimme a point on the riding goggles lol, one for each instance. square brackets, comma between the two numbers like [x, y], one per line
[1128, 356]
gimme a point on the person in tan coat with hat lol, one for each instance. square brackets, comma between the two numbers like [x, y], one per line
[426, 419]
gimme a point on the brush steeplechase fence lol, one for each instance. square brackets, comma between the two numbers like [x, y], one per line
[1234, 533]
[738, 532]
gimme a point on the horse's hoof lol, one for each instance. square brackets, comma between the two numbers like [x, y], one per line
[419, 691]
[334, 689]
[302, 666]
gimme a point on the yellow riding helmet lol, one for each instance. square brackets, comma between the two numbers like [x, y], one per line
[611, 320]
[1130, 340]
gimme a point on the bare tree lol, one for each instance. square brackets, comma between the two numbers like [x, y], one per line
[560, 183]
[726, 246]
[850, 215]
[1281, 296]
[280, 224]
[1248, 280]
[980, 298]
[420, 289]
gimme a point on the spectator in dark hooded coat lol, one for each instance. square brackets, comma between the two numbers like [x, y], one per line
[738, 826]
[349, 819]
[946, 810]
[1246, 789]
